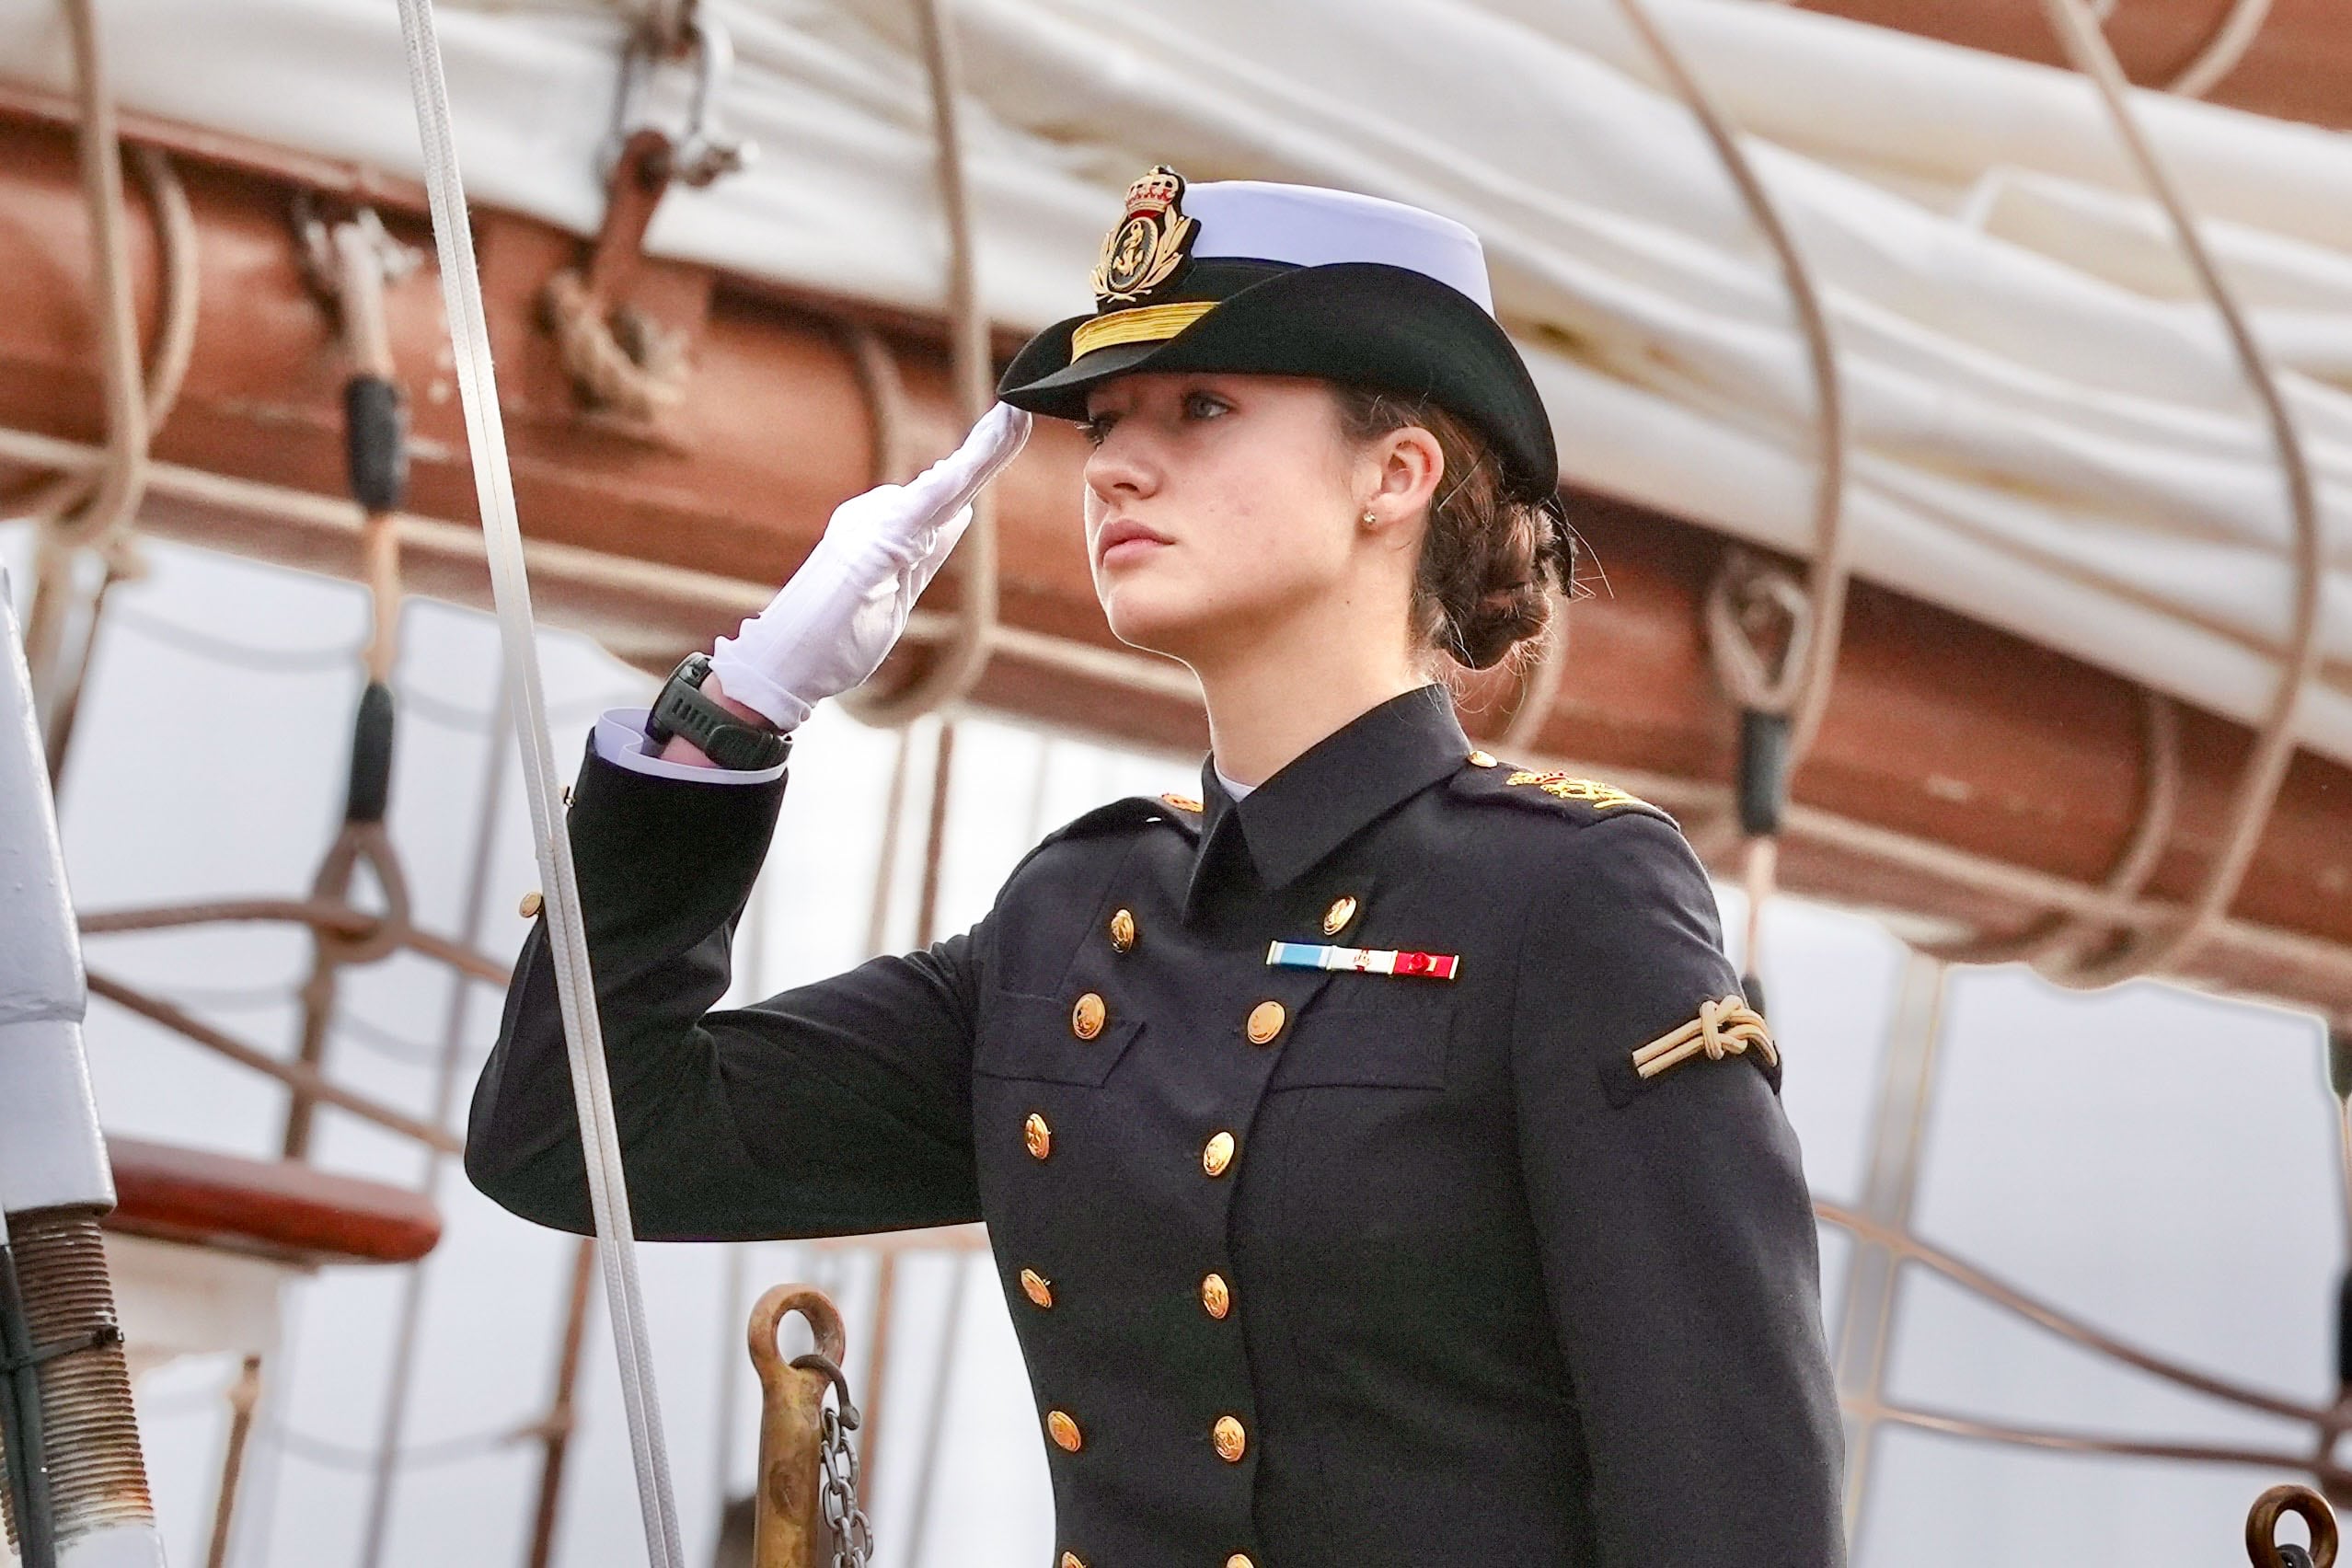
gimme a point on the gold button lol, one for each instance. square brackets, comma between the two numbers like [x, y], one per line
[1037, 1288]
[1064, 1431]
[1239, 1559]
[1265, 1022]
[1085, 1018]
[1037, 1135]
[1123, 930]
[1217, 1154]
[531, 905]
[1216, 1297]
[1231, 1439]
[1072, 1560]
[1482, 759]
[1336, 918]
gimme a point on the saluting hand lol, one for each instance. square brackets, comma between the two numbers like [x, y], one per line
[830, 626]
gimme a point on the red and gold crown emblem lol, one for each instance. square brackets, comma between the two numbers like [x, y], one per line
[1149, 244]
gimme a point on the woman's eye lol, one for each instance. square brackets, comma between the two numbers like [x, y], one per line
[1096, 426]
[1205, 406]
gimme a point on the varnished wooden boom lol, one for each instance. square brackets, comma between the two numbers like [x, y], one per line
[1943, 735]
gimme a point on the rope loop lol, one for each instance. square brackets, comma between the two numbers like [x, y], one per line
[620, 358]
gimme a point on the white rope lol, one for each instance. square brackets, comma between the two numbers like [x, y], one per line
[575, 989]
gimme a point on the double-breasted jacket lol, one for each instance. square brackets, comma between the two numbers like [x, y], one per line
[1311, 1267]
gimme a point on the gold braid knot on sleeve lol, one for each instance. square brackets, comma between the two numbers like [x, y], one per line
[1728, 1027]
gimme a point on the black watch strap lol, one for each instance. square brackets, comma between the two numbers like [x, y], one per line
[725, 739]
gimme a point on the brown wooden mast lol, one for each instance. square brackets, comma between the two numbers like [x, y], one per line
[1946, 739]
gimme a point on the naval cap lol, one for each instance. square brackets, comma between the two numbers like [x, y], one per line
[1249, 277]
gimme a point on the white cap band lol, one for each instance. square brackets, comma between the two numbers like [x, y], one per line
[1306, 226]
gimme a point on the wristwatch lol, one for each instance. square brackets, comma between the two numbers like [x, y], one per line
[724, 737]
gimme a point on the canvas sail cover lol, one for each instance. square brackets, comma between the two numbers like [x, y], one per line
[2050, 432]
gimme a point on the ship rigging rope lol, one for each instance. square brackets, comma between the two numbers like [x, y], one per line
[568, 947]
[2264, 769]
[1799, 689]
[96, 509]
[1796, 688]
[957, 664]
[2224, 48]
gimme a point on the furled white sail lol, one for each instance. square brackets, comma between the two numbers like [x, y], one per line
[2050, 432]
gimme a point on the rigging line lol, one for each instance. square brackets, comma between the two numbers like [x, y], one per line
[2224, 50]
[482, 721]
[2264, 769]
[575, 987]
[400, 1376]
[423, 1456]
[956, 666]
[294, 1075]
[1909, 1248]
[123, 480]
[381, 1041]
[1801, 692]
[230, 651]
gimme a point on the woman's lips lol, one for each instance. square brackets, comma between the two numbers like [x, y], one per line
[1121, 542]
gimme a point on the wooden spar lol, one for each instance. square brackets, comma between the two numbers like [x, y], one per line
[2296, 65]
[1945, 737]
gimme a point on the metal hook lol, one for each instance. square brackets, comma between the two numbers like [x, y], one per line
[701, 151]
[817, 1361]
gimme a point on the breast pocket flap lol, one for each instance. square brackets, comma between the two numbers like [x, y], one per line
[1025, 1036]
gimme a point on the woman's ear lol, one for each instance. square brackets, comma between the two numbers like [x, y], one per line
[1407, 466]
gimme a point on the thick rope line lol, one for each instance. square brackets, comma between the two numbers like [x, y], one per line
[575, 986]
[957, 664]
[1801, 691]
[2224, 50]
[2275, 739]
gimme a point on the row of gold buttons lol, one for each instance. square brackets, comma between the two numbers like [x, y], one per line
[1088, 1016]
[1231, 1439]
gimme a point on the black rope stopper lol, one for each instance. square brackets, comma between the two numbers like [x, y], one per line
[371, 777]
[1763, 787]
[375, 441]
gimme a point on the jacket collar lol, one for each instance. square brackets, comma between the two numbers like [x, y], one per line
[1335, 788]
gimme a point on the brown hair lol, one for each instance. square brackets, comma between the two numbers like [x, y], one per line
[1489, 560]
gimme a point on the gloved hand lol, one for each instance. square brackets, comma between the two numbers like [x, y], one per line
[829, 627]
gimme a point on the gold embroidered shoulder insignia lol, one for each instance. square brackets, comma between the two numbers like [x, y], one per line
[1601, 797]
[1184, 803]
[1728, 1027]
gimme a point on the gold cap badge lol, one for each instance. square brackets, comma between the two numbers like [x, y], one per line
[1149, 244]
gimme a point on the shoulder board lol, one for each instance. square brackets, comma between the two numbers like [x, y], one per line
[1132, 814]
[1581, 801]
[1127, 815]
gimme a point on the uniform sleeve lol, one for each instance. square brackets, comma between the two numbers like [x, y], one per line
[839, 1107]
[1678, 1236]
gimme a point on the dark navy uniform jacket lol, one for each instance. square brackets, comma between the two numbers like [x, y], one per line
[1311, 1269]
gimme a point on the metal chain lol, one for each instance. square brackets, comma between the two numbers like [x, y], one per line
[853, 1538]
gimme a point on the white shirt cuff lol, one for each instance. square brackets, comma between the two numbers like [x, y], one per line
[621, 740]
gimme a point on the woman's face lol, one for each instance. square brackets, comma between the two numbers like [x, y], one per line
[1214, 504]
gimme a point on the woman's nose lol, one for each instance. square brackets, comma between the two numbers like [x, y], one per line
[1120, 466]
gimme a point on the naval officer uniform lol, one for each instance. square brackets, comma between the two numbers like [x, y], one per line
[1380, 1167]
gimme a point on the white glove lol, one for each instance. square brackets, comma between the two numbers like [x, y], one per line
[829, 627]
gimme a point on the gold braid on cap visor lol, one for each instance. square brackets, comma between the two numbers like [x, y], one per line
[1147, 324]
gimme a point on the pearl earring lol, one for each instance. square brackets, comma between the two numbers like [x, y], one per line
[1369, 521]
